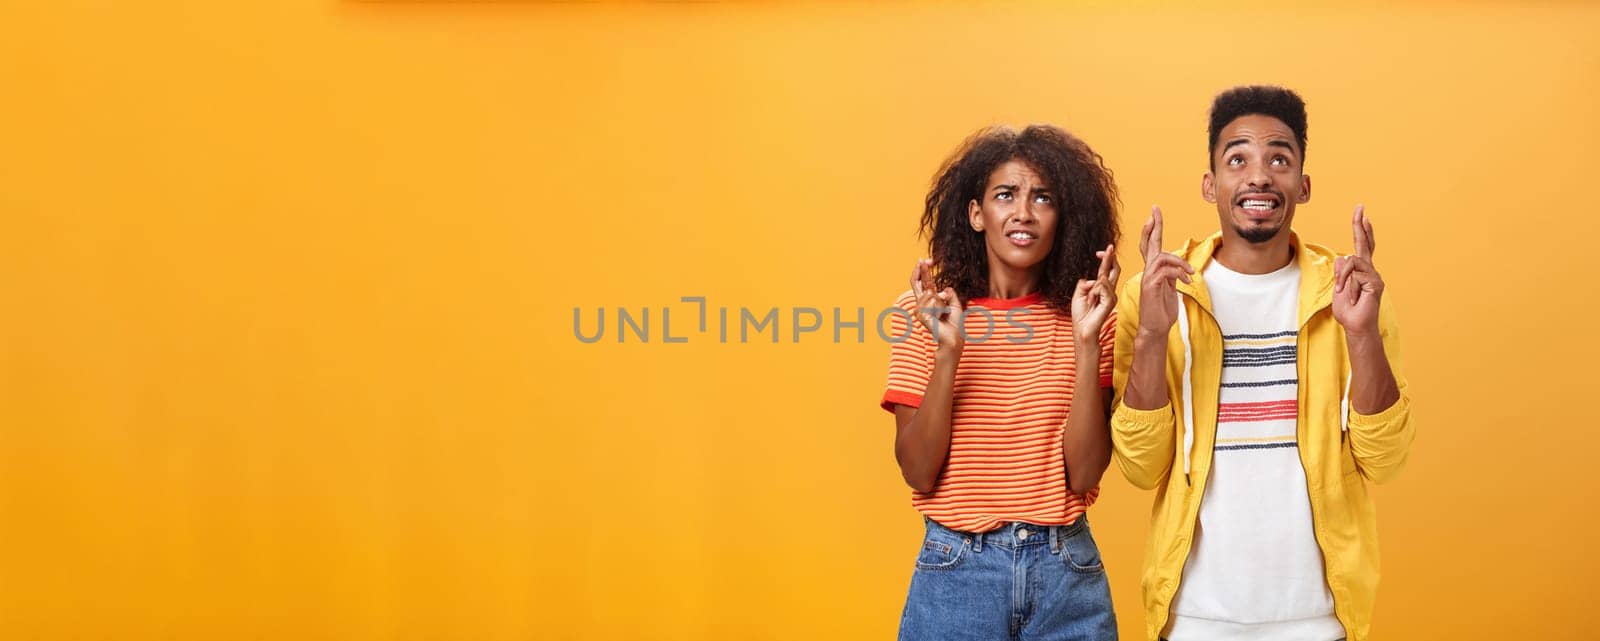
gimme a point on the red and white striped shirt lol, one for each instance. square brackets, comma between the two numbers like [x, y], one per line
[1013, 389]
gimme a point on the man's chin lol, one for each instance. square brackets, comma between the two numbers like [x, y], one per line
[1257, 234]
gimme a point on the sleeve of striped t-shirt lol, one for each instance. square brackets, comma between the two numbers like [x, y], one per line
[910, 356]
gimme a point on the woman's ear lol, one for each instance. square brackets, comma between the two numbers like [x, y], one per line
[974, 215]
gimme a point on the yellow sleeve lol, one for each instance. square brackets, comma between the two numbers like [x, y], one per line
[1381, 442]
[1141, 440]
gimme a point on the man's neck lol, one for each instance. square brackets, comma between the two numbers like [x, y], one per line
[1246, 257]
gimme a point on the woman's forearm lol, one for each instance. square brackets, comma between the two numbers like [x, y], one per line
[922, 443]
[1086, 438]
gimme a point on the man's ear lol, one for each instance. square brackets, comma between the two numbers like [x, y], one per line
[974, 215]
[1208, 188]
[1305, 189]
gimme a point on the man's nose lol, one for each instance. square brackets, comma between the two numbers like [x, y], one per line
[1260, 178]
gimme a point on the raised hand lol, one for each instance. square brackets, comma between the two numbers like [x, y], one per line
[1093, 300]
[1357, 287]
[1158, 289]
[940, 312]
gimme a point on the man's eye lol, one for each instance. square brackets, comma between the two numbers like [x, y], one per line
[1235, 161]
[1280, 160]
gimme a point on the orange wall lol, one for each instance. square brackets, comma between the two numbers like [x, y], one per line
[289, 286]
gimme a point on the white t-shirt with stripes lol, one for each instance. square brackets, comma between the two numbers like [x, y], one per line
[1255, 571]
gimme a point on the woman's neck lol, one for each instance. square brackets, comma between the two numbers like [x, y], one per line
[1006, 282]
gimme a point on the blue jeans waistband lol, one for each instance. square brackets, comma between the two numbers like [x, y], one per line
[1016, 534]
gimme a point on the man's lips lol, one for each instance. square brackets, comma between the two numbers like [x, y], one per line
[1259, 204]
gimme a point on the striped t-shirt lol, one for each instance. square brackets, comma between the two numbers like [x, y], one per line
[1013, 388]
[1255, 571]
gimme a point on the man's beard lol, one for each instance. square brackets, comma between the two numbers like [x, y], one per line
[1256, 235]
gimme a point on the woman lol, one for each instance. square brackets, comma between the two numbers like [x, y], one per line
[1000, 439]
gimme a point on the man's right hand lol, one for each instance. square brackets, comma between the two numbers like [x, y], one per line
[1158, 310]
[1158, 289]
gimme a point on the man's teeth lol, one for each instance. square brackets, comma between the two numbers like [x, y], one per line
[1259, 204]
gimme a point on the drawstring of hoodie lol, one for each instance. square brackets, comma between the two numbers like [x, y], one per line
[1188, 388]
[1344, 406]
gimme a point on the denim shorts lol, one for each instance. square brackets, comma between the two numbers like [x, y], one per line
[1022, 581]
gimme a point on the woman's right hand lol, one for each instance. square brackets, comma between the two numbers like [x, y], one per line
[941, 313]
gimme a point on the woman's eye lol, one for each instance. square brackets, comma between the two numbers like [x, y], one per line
[1042, 198]
[1004, 195]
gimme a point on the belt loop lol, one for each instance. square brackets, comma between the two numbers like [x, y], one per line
[977, 542]
[1055, 538]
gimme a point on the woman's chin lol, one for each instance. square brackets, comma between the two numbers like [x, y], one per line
[1018, 259]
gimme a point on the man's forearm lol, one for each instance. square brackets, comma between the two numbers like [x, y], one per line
[1147, 376]
[1372, 385]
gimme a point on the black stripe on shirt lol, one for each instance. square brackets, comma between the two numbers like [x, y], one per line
[1233, 337]
[1286, 381]
[1256, 446]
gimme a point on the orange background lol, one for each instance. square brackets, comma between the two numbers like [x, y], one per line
[289, 289]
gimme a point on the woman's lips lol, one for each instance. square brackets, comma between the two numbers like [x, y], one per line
[1022, 239]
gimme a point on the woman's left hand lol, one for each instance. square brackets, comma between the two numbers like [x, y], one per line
[1093, 300]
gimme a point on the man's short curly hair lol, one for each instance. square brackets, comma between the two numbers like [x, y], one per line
[1277, 102]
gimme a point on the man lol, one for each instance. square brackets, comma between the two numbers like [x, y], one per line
[1258, 389]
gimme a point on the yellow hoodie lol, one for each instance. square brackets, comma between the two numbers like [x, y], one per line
[1169, 449]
